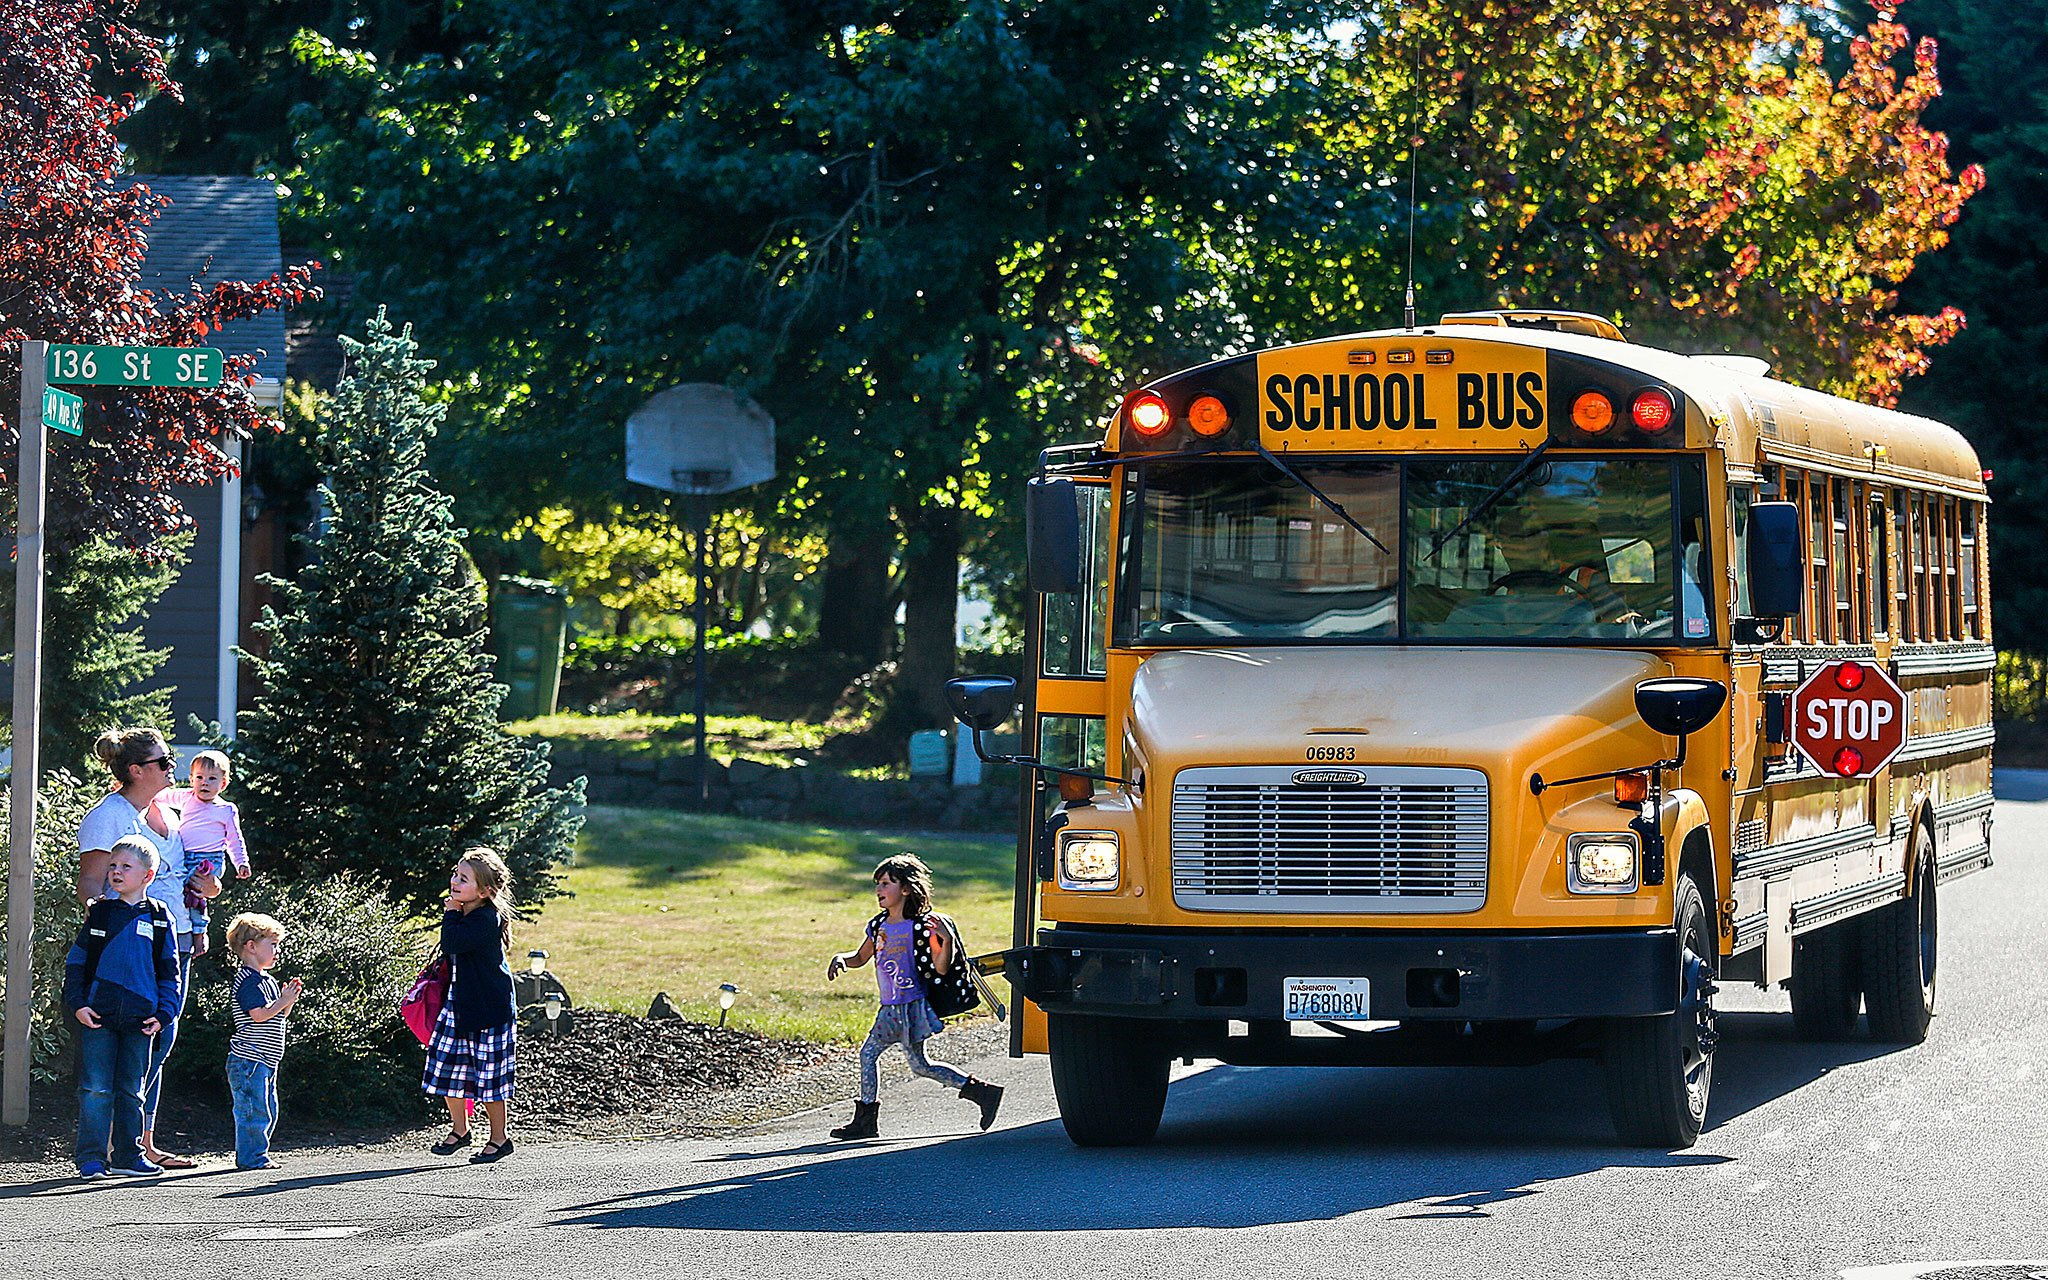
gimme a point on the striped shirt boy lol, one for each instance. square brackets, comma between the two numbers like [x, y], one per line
[257, 1041]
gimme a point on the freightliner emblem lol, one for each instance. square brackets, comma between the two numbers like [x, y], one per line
[1328, 778]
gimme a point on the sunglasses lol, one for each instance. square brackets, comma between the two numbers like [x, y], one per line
[165, 763]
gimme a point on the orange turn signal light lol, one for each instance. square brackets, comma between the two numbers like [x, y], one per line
[1631, 788]
[1209, 416]
[1148, 413]
[1075, 790]
[1592, 412]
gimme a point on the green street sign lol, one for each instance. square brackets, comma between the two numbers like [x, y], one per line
[135, 366]
[63, 411]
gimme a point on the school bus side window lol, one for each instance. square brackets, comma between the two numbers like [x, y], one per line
[1073, 623]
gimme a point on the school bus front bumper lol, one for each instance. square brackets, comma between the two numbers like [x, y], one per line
[1252, 975]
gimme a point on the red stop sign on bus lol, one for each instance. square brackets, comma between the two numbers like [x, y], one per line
[1849, 718]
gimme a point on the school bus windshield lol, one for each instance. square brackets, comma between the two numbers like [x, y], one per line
[1592, 550]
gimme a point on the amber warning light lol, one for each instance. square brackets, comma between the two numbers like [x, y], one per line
[1209, 416]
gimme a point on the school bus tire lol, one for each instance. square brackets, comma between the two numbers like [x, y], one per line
[1110, 1077]
[1827, 981]
[1899, 954]
[1660, 1070]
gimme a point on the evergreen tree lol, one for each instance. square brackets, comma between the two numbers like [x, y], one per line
[94, 656]
[375, 748]
[1996, 114]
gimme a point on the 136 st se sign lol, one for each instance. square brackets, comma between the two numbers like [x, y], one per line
[1849, 718]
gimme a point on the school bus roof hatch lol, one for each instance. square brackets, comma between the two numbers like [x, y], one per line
[1579, 322]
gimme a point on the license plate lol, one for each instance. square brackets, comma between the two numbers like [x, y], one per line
[1327, 999]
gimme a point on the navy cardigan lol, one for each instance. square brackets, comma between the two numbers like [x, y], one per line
[480, 986]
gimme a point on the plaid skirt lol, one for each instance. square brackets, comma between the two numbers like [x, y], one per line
[477, 1065]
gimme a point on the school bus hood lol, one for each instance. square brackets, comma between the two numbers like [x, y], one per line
[1507, 711]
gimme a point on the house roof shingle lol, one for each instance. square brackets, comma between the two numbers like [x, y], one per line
[219, 228]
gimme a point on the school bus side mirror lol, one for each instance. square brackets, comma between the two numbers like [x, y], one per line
[1679, 706]
[1052, 535]
[982, 702]
[1777, 560]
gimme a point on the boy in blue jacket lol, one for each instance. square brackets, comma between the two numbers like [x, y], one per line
[121, 984]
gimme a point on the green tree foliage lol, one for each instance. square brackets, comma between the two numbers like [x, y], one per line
[61, 804]
[1995, 62]
[94, 655]
[934, 237]
[375, 748]
[637, 570]
[240, 85]
[1695, 169]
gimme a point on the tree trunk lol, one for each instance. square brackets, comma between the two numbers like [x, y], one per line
[853, 615]
[931, 605]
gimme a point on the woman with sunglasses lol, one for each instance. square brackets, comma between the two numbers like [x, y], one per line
[142, 767]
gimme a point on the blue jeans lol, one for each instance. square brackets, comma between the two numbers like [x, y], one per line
[110, 1068]
[153, 1080]
[255, 1088]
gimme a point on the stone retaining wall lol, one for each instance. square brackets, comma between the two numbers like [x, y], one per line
[800, 793]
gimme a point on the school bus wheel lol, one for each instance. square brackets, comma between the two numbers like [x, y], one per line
[1660, 1070]
[1827, 982]
[1110, 1076]
[1899, 957]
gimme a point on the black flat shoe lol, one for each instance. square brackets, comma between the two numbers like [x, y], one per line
[492, 1152]
[451, 1144]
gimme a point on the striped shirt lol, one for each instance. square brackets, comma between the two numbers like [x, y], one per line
[257, 1041]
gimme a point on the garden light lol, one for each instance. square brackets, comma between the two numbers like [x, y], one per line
[728, 994]
[536, 963]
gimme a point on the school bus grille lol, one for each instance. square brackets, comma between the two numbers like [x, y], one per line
[1250, 838]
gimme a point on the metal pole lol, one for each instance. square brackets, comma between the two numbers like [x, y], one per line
[703, 513]
[28, 654]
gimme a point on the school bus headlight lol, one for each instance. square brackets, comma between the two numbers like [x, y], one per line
[1602, 862]
[1088, 860]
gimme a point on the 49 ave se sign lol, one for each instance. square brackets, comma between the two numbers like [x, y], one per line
[1849, 718]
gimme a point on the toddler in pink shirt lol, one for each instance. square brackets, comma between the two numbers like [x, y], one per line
[211, 831]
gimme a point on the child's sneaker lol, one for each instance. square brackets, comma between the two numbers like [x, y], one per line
[92, 1170]
[143, 1167]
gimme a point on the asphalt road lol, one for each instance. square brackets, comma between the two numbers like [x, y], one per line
[1819, 1160]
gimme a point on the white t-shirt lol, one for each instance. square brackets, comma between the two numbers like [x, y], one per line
[113, 818]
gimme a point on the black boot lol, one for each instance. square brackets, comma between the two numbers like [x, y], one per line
[984, 1095]
[863, 1123]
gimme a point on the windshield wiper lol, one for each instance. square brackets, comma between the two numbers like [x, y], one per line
[1321, 497]
[1485, 504]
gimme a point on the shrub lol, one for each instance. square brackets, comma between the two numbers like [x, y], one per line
[347, 1054]
[61, 804]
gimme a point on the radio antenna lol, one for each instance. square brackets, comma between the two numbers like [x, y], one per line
[1414, 148]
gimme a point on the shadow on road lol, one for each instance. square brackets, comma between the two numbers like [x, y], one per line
[1302, 1145]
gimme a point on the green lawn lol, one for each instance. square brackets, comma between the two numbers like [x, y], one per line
[681, 902]
[633, 732]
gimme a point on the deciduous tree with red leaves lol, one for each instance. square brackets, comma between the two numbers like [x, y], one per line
[71, 247]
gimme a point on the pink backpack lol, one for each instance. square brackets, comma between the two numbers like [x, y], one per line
[421, 1007]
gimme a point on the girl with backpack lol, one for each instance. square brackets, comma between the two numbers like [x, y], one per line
[911, 950]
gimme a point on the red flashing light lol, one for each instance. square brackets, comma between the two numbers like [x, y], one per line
[1987, 475]
[1848, 762]
[1849, 676]
[1148, 413]
[1653, 410]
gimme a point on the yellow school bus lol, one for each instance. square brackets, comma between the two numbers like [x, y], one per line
[1423, 696]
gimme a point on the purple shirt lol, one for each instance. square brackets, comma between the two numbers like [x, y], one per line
[896, 962]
